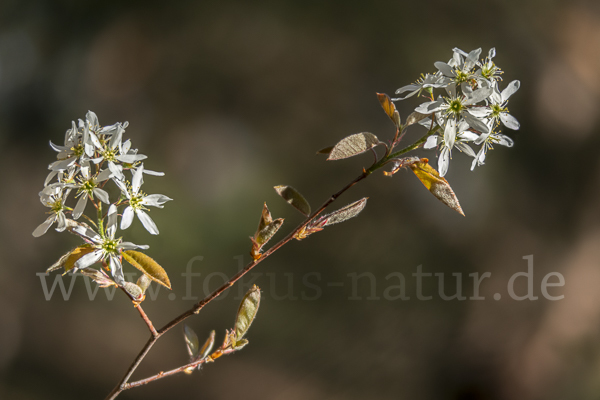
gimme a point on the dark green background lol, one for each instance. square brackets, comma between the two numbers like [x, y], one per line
[232, 98]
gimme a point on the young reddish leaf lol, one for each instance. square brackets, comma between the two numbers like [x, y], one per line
[293, 197]
[437, 185]
[148, 266]
[325, 150]
[353, 145]
[389, 108]
[98, 276]
[246, 312]
[265, 218]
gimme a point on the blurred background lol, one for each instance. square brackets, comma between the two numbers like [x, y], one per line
[231, 98]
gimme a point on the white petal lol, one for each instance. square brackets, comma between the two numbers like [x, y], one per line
[61, 165]
[88, 259]
[480, 112]
[469, 136]
[510, 90]
[443, 161]
[475, 123]
[492, 53]
[50, 176]
[44, 226]
[450, 133]
[471, 59]
[102, 195]
[155, 173]
[81, 203]
[509, 121]
[505, 141]
[116, 270]
[95, 140]
[132, 246]
[430, 107]
[86, 233]
[62, 222]
[131, 158]
[432, 141]
[156, 200]
[104, 175]
[445, 69]
[127, 218]
[478, 95]
[115, 140]
[147, 222]
[451, 90]
[92, 119]
[465, 148]
[125, 147]
[408, 88]
[111, 221]
[137, 180]
[117, 170]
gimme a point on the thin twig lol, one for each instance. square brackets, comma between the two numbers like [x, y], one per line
[124, 385]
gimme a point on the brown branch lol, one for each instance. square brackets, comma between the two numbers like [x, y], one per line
[123, 385]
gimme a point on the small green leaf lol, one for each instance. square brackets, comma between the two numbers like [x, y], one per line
[293, 197]
[134, 291]
[437, 185]
[268, 232]
[148, 266]
[350, 211]
[240, 344]
[247, 312]
[325, 150]
[389, 108]
[143, 282]
[353, 145]
[191, 341]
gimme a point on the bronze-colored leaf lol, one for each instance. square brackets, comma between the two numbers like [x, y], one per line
[350, 211]
[293, 197]
[436, 184]
[353, 145]
[148, 266]
[415, 117]
[389, 108]
[74, 255]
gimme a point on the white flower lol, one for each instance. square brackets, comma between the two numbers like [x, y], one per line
[55, 200]
[428, 81]
[87, 187]
[460, 67]
[106, 247]
[138, 201]
[488, 141]
[453, 137]
[498, 110]
[458, 106]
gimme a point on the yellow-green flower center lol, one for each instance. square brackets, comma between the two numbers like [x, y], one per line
[110, 246]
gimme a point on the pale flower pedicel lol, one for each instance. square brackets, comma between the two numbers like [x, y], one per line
[90, 158]
[95, 161]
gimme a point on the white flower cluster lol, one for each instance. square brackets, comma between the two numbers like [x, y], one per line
[92, 156]
[473, 109]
